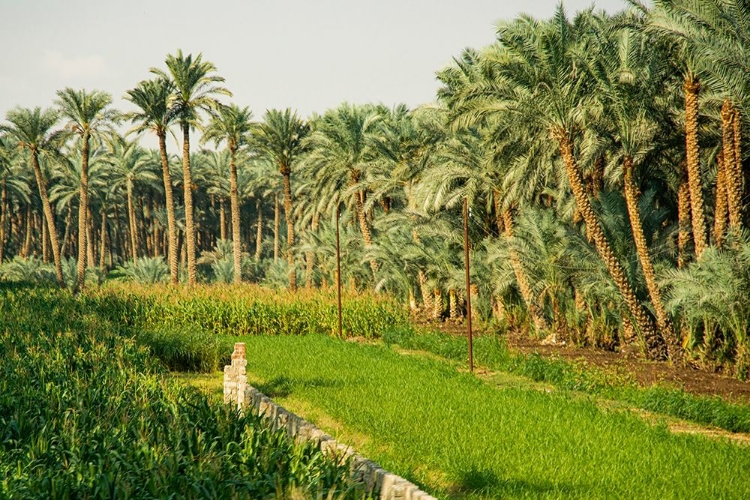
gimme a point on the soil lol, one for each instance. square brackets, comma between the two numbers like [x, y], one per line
[628, 361]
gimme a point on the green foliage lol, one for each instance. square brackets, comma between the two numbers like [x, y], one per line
[147, 271]
[86, 413]
[186, 348]
[251, 310]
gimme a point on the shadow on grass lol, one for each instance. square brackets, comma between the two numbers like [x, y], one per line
[486, 482]
[281, 387]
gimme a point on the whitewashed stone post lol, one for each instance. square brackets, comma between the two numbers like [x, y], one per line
[235, 377]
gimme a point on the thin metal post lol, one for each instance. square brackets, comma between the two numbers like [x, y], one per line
[468, 283]
[338, 270]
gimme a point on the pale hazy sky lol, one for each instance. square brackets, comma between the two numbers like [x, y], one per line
[306, 54]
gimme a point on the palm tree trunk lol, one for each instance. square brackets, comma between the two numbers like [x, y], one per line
[44, 239]
[499, 221]
[222, 219]
[234, 199]
[3, 217]
[424, 290]
[437, 304]
[26, 249]
[365, 226]
[732, 170]
[276, 222]
[132, 224]
[692, 88]
[103, 249]
[286, 172]
[90, 238]
[83, 212]
[683, 222]
[66, 235]
[47, 208]
[523, 282]
[187, 181]
[453, 304]
[653, 340]
[720, 208]
[259, 230]
[310, 256]
[169, 200]
[662, 319]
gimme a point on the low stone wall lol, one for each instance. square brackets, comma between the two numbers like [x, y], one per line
[378, 482]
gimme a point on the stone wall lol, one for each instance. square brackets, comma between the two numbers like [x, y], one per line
[379, 482]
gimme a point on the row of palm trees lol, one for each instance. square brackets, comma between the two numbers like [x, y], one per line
[601, 157]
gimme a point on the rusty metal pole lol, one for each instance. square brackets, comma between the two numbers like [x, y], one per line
[468, 283]
[338, 270]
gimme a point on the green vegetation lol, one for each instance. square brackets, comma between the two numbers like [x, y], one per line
[460, 437]
[86, 413]
[603, 157]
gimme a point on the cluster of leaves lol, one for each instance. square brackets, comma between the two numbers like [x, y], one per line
[85, 413]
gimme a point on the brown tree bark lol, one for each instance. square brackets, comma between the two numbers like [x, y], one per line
[522, 280]
[169, 201]
[187, 181]
[222, 219]
[47, 208]
[90, 238]
[259, 230]
[364, 226]
[103, 248]
[655, 346]
[286, 172]
[276, 223]
[732, 169]
[692, 87]
[720, 207]
[26, 249]
[310, 256]
[132, 224]
[234, 199]
[662, 318]
[83, 203]
[683, 221]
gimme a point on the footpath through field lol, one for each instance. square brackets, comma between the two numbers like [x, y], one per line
[459, 437]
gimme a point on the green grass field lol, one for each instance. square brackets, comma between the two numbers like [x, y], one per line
[458, 436]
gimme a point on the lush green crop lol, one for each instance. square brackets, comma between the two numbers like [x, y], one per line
[460, 437]
[86, 413]
[249, 310]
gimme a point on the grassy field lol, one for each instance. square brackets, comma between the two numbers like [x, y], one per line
[457, 436]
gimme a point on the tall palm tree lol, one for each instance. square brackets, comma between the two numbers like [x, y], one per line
[543, 81]
[281, 136]
[631, 74]
[152, 97]
[88, 116]
[195, 90]
[32, 131]
[340, 158]
[231, 125]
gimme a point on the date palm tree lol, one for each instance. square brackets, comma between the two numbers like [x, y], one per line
[231, 125]
[195, 91]
[281, 137]
[89, 117]
[152, 97]
[32, 131]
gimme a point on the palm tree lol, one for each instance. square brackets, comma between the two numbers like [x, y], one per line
[31, 129]
[281, 136]
[630, 73]
[152, 97]
[131, 165]
[89, 116]
[195, 91]
[340, 157]
[540, 79]
[231, 125]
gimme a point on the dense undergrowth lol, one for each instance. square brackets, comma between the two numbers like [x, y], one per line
[85, 412]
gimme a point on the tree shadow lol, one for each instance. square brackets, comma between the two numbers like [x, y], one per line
[486, 482]
[281, 387]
